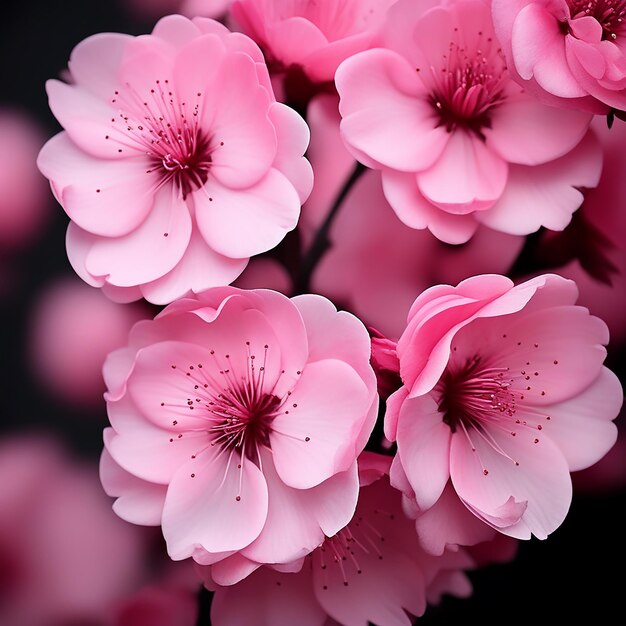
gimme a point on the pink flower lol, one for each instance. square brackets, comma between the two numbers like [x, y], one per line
[357, 268]
[65, 558]
[189, 8]
[236, 420]
[504, 394]
[569, 52]
[314, 36]
[23, 202]
[373, 570]
[65, 353]
[176, 164]
[458, 142]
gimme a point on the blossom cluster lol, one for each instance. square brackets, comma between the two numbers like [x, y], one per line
[367, 379]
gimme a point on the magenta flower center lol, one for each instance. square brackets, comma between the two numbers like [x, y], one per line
[479, 400]
[468, 85]
[609, 13]
[474, 395]
[167, 130]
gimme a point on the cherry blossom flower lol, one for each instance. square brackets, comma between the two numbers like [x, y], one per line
[312, 36]
[176, 164]
[23, 200]
[504, 394]
[458, 142]
[65, 353]
[65, 558]
[236, 420]
[569, 52]
[373, 570]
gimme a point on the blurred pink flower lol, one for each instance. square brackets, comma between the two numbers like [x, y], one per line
[369, 245]
[64, 556]
[152, 9]
[176, 164]
[373, 570]
[603, 208]
[65, 352]
[505, 394]
[23, 198]
[314, 36]
[237, 419]
[569, 52]
[458, 142]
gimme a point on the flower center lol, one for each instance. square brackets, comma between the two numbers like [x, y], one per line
[168, 131]
[474, 395]
[468, 85]
[609, 13]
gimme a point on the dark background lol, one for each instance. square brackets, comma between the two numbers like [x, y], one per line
[575, 577]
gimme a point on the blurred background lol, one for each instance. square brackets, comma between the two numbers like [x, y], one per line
[65, 558]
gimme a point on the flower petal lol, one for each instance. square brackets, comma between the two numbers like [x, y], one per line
[479, 176]
[316, 439]
[102, 196]
[299, 519]
[242, 223]
[424, 448]
[385, 114]
[519, 469]
[217, 501]
[148, 252]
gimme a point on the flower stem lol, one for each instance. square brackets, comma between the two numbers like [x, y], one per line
[321, 243]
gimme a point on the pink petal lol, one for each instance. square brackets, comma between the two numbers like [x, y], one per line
[582, 427]
[244, 138]
[449, 523]
[316, 439]
[115, 370]
[242, 223]
[586, 28]
[339, 335]
[148, 252]
[138, 501]
[104, 197]
[424, 348]
[78, 244]
[588, 56]
[299, 519]
[546, 195]
[392, 413]
[416, 211]
[385, 114]
[145, 450]
[541, 480]
[196, 72]
[538, 48]
[565, 334]
[176, 30]
[161, 387]
[424, 449]
[214, 504]
[232, 569]
[268, 598]
[292, 39]
[479, 176]
[293, 139]
[200, 268]
[88, 121]
[95, 61]
[528, 132]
